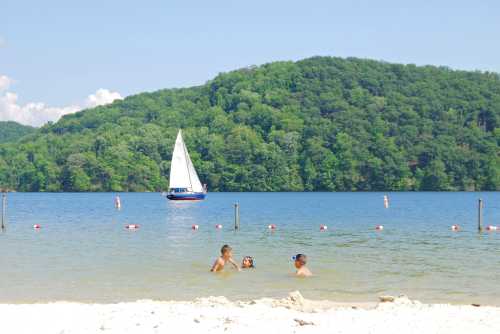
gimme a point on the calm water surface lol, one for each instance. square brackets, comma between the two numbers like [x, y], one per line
[84, 253]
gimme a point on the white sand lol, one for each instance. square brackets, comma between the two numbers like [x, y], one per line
[219, 315]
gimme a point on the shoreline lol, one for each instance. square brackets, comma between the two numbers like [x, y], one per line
[220, 315]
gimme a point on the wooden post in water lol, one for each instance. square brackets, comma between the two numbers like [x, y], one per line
[4, 207]
[480, 215]
[236, 216]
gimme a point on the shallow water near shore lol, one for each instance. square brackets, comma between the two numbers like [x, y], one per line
[83, 252]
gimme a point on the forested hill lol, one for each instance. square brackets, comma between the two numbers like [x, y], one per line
[11, 131]
[320, 124]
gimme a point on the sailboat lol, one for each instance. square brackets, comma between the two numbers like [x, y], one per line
[184, 181]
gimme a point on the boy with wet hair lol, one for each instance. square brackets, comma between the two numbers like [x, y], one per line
[226, 256]
[300, 261]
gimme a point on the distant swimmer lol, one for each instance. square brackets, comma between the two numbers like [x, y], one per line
[247, 262]
[118, 202]
[300, 264]
[226, 256]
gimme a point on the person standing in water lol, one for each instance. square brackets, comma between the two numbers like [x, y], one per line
[226, 256]
[118, 202]
[300, 261]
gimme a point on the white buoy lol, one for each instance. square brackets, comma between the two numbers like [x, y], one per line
[386, 202]
[379, 227]
[492, 228]
[37, 226]
[271, 226]
[195, 227]
[323, 227]
[132, 226]
[455, 227]
[218, 226]
[118, 202]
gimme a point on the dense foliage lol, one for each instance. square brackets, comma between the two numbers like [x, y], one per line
[319, 124]
[12, 131]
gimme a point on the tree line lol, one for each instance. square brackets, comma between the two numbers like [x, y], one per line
[319, 124]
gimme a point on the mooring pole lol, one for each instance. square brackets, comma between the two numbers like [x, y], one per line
[236, 216]
[4, 208]
[480, 215]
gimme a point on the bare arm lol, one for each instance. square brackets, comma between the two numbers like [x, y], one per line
[217, 265]
[235, 265]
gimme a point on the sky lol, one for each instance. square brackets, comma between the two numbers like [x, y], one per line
[58, 57]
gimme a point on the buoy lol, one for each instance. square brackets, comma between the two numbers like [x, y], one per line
[37, 226]
[386, 202]
[218, 226]
[118, 203]
[492, 228]
[194, 227]
[271, 226]
[455, 227]
[379, 227]
[132, 226]
[323, 227]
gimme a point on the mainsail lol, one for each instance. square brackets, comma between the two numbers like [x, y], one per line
[182, 172]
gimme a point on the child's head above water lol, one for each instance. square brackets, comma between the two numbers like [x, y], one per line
[247, 262]
[300, 260]
[226, 251]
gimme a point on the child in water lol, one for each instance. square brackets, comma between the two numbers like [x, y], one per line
[226, 256]
[300, 264]
[247, 262]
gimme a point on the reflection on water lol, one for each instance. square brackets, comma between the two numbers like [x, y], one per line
[84, 253]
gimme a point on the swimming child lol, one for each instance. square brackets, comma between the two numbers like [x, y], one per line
[300, 264]
[247, 262]
[226, 256]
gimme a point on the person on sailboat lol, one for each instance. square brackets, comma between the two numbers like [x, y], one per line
[226, 256]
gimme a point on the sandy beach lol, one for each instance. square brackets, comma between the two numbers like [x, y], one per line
[293, 314]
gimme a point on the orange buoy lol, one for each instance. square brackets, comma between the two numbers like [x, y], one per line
[195, 227]
[271, 226]
[37, 226]
[323, 227]
[455, 227]
[132, 226]
[218, 226]
[379, 227]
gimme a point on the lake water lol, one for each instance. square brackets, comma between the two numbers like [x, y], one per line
[83, 252]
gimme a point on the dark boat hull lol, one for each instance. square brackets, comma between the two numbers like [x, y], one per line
[186, 196]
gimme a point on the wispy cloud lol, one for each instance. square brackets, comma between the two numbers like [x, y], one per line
[38, 113]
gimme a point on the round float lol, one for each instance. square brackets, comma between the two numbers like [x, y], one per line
[379, 227]
[323, 227]
[132, 226]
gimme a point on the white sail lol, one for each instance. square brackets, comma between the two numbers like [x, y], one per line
[182, 172]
